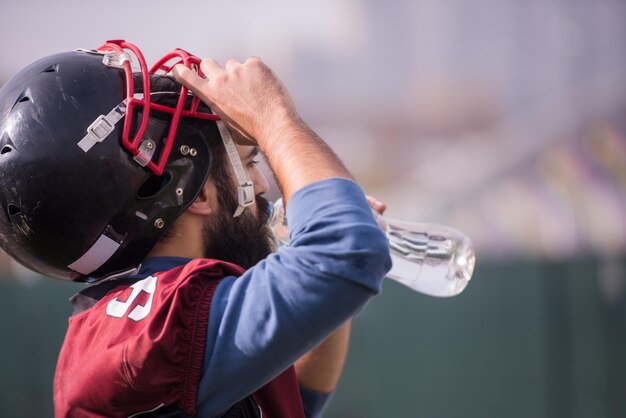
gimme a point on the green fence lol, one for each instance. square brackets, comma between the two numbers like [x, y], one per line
[524, 340]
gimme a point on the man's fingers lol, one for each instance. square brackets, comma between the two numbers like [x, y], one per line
[376, 204]
[231, 63]
[201, 88]
[210, 68]
[192, 81]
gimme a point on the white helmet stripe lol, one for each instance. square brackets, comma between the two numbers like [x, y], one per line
[96, 256]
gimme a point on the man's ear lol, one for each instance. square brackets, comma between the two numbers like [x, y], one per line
[206, 202]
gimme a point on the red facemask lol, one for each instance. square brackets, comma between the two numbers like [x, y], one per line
[116, 56]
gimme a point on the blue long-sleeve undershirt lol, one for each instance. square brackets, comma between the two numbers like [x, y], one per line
[263, 321]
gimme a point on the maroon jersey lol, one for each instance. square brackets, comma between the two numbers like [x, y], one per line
[141, 345]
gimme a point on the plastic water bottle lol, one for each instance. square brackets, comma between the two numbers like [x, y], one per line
[432, 259]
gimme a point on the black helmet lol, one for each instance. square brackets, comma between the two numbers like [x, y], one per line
[80, 199]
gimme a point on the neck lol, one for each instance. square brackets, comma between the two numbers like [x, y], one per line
[184, 240]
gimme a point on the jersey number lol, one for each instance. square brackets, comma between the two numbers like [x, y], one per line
[118, 309]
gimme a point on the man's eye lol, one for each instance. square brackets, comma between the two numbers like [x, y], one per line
[252, 163]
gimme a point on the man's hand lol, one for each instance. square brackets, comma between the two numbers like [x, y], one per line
[252, 101]
[247, 96]
[376, 204]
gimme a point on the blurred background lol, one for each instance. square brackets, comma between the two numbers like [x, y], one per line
[502, 118]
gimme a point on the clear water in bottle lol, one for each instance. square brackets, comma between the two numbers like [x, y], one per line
[432, 259]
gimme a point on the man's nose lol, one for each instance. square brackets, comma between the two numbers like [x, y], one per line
[261, 184]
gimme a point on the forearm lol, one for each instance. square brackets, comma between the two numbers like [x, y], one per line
[297, 155]
[320, 368]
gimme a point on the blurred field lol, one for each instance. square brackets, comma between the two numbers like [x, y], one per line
[543, 340]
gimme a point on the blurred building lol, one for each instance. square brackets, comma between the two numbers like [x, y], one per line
[505, 119]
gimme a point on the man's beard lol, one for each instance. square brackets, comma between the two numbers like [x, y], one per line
[244, 240]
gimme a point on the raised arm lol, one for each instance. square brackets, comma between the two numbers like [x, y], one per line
[253, 101]
[289, 303]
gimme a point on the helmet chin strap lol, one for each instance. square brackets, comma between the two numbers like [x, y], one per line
[245, 190]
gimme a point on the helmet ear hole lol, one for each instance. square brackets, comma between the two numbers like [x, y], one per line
[153, 185]
[6, 149]
[13, 210]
